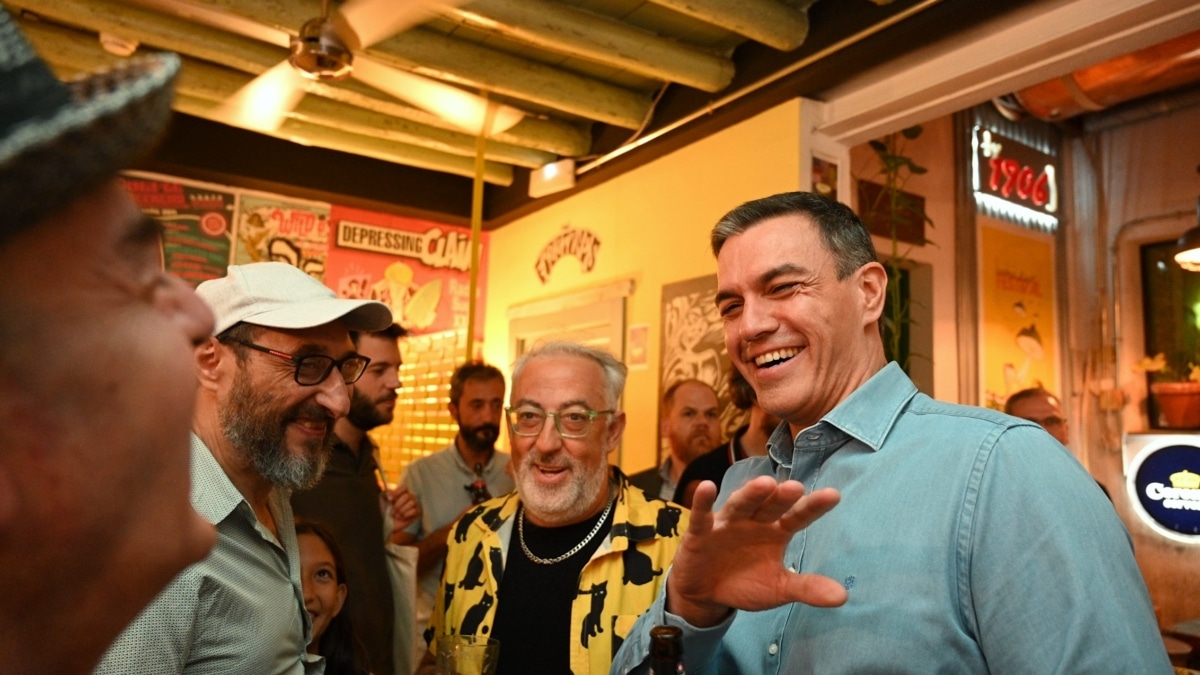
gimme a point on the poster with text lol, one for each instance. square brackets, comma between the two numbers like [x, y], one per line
[1018, 337]
[271, 228]
[419, 268]
[197, 221]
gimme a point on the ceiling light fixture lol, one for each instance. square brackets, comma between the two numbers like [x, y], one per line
[551, 178]
[1187, 249]
[318, 53]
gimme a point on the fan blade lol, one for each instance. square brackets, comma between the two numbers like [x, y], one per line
[263, 104]
[362, 23]
[462, 109]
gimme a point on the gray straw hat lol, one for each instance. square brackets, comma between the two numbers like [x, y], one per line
[57, 141]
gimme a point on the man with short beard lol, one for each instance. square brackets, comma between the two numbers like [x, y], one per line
[351, 502]
[272, 383]
[559, 570]
[691, 425]
[452, 480]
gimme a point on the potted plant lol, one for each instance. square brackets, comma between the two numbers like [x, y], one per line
[1175, 388]
[889, 211]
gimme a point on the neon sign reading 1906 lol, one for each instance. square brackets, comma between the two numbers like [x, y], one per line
[1013, 174]
[1015, 180]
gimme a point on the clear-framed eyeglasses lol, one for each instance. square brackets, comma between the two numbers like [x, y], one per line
[314, 368]
[528, 420]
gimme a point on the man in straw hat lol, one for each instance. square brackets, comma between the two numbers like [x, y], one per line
[96, 379]
[273, 381]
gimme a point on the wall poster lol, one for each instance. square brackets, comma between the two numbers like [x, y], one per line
[1018, 335]
[419, 268]
[278, 229]
[197, 221]
[693, 345]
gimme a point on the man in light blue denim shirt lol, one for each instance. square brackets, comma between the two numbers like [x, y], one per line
[965, 541]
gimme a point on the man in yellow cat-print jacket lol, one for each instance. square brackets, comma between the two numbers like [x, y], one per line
[559, 570]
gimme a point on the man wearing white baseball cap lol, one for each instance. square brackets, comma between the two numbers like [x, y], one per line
[272, 381]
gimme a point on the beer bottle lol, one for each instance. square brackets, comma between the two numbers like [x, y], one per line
[666, 650]
[478, 488]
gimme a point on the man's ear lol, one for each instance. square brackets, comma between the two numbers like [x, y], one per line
[613, 431]
[872, 283]
[208, 362]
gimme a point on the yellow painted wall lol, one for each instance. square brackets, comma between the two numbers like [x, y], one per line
[653, 224]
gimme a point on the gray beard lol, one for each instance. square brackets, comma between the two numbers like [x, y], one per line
[257, 429]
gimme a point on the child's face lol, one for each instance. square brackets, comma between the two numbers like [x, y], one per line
[323, 595]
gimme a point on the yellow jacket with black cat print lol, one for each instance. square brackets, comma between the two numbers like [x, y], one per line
[617, 584]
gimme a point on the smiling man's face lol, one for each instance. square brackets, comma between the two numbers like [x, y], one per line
[802, 337]
[563, 480]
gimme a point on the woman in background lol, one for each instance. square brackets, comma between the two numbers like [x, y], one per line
[323, 577]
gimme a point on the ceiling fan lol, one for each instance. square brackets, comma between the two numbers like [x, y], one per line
[330, 47]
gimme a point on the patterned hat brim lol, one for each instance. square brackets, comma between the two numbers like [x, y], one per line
[115, 116]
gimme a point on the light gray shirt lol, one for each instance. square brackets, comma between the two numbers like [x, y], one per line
[240, 610]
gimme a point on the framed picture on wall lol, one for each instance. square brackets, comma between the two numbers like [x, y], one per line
[693, 344]
[1018, 332]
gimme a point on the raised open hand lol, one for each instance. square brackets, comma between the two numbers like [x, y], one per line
[733, 559]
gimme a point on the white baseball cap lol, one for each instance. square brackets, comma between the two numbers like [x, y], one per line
[278, 295]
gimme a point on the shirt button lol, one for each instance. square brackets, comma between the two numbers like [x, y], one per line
[773, 649]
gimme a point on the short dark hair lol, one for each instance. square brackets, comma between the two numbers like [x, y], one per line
[843, 234]
[668, 399]
[394, 331]
[740, 392]
[236, 335]
[471, 370]
[1019, 396]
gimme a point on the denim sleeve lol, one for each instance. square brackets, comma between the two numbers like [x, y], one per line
[699, 644]
[1047, 575]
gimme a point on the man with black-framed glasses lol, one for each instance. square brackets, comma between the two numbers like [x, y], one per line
[273, 380]
[559, 570]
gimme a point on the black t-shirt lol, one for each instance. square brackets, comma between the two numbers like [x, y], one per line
[533, 610]
[712, 465]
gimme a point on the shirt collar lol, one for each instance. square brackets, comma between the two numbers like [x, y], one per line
[867, 414]
[213, 495]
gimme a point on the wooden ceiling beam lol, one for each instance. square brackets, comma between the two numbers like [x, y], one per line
[580, 34]
[206, 44]
[201, 87]
[317, 135]
[767, 21]
[429, 53]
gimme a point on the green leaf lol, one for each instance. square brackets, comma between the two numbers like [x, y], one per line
[912, 132]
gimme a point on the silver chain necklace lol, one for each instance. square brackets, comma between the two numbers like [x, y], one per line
[578, 547]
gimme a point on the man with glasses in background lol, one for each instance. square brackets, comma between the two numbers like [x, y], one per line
[272, 383]
[576, 553]
[1039, 406]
